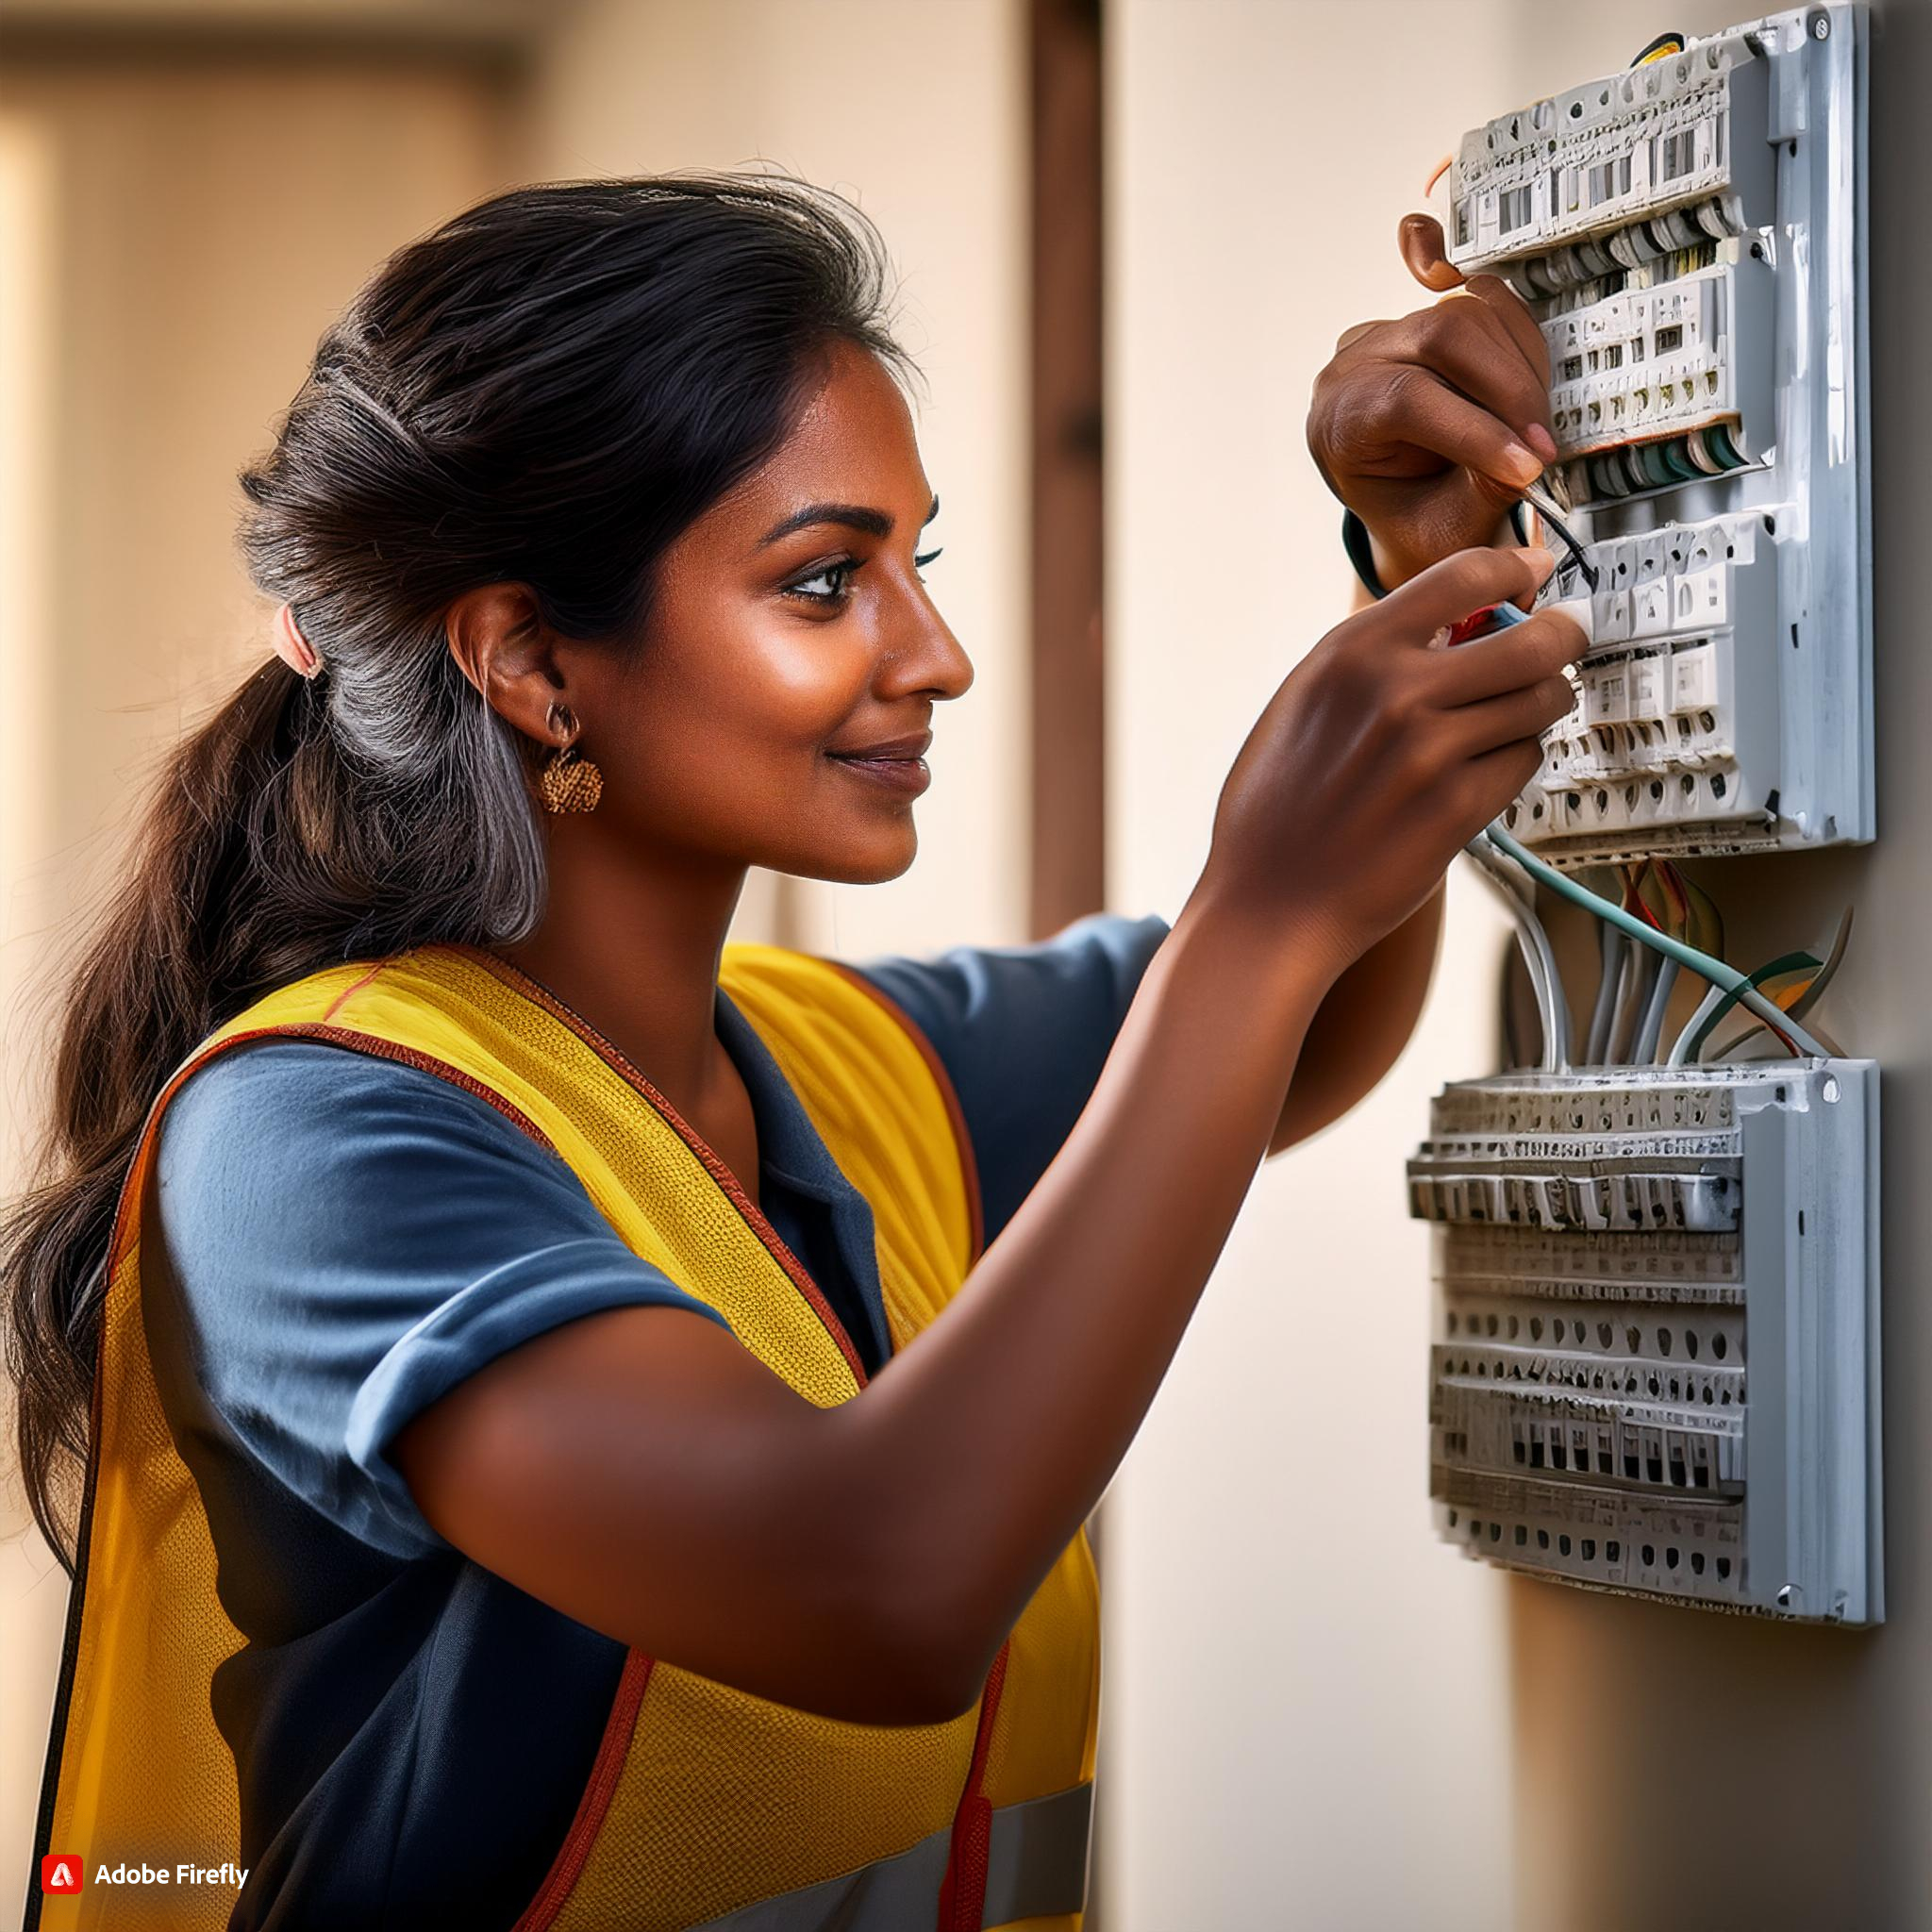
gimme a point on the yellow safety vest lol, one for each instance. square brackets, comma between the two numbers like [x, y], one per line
[706, 1806]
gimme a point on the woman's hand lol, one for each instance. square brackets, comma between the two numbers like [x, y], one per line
[1384, 752]
[1429, 427]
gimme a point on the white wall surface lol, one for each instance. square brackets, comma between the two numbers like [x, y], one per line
[1306, 1717]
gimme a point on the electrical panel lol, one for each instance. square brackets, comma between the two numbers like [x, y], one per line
[1690, 236]
[1654, 1359]
[1654, 1366]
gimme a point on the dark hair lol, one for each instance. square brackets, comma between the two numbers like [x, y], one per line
[546, 389]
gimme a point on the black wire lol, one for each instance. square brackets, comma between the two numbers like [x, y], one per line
[1544, 509]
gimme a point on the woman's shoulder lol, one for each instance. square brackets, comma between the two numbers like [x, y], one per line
[348, 1238]
[1023, 1032]
[286, 1107]
[1082, 978]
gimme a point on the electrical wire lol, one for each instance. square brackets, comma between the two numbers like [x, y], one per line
[1813, 986]
[1634, 997]
[1553, 1010]
[1539, 500]
[1610, 946]
[1727, 979]
[1788, 974]
[1650, 1030]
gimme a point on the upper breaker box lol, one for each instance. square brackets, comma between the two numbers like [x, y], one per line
[1655, 1358]
[1690, 237]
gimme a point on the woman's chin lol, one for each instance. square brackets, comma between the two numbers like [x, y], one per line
[870, 861]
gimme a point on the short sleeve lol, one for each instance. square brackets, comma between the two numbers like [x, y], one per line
[1023, 1032]
[351, 1238]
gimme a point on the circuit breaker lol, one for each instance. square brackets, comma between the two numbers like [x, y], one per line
[1655, 1304]
[1690, 236]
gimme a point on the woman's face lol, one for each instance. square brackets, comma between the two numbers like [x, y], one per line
[792, 658]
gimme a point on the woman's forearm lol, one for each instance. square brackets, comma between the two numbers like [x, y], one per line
[990, 1436]
[1362, 1026]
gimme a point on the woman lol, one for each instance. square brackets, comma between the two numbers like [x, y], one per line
[591, 1427]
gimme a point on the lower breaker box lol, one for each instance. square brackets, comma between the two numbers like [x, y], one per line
[1656, 1357]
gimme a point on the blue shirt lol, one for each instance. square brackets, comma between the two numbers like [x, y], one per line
[343, 1239]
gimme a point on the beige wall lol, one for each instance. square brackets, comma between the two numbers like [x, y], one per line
[918, 113]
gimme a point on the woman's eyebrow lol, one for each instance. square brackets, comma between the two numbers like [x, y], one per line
[857, 516]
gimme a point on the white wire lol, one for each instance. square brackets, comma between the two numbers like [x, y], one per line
[1525, 890]
[1611, 945]
[1553, 1011]
[1644, 1049]
[1634, 996]
[1680, 1049]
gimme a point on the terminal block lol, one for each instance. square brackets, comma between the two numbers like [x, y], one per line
[1690, 236]
[1656, 1357]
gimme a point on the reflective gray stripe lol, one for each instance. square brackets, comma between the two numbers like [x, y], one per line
[1037, 1863]
[1035, 1867]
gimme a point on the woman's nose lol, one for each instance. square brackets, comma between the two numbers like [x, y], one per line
[926, 656]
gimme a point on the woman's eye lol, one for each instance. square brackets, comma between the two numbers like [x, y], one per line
[919, 563]
[827, 586]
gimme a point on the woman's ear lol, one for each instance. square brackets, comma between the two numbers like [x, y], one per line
[501, 643]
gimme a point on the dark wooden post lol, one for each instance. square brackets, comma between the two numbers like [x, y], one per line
[1068, 799]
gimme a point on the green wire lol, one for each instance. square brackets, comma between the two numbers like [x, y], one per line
[1791, 962]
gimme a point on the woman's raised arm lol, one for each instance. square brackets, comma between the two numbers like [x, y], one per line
[641, 1472]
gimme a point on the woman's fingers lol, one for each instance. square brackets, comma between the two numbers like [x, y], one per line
[1465, 341]
[1417, 410]
[1508, 660]
[1420, 239]
[1477, 791]
[1426, 256]
[1471, 580]
[1527, 711]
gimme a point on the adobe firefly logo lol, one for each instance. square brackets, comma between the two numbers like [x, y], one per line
[61, 1871]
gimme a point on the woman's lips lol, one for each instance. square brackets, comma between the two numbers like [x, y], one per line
[898, 764]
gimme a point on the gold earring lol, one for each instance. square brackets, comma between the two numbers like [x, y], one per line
[569, 781]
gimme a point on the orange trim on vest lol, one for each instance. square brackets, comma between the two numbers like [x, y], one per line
[962, 1896]
[538, 993]
[335, 1006]
[569, 1864]
[969, 1165]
